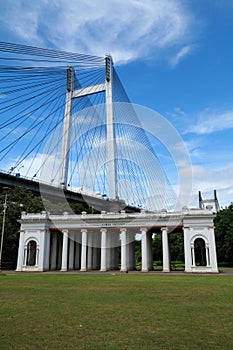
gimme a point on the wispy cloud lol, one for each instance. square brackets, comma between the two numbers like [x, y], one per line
[129, 30]
[184, 51]
[212, 121]
[220, 179]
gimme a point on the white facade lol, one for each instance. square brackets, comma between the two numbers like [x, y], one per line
[106, 241]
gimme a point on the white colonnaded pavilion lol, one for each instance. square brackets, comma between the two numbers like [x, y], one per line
[106, 241]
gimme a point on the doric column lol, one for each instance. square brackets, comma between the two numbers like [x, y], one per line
[37, 256]
[212, 250]
[193, 255]
[84, 251]
[64, 250]
[144, 249]
[25, 256]
[124, 266]
[21, 253]
[103, 258]
[187, 249]
[166, 254]
[71, 252]
[207, 254]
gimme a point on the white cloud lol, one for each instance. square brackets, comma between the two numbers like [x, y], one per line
[220, 179]
[184, 51]
[212, 121]
[129, 30]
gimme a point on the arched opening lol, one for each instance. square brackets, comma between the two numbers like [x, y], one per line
[200, 252]
[31, 253]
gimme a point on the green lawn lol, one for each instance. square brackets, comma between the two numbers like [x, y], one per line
[122, 311]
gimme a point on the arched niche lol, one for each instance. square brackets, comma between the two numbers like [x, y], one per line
[31, 252]
[200, 252]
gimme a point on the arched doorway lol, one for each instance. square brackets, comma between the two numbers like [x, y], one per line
[200, 252]
[31, 253]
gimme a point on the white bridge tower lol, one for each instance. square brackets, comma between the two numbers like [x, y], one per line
[71, 94]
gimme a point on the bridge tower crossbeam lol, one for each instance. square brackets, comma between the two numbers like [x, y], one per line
[71, 94]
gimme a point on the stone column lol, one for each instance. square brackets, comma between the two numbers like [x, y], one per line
[166, 254]
[64, 250]
[212, 250]
[20, 260]
[124, 266]
[84, 251]
[71, 252]
[187, 249]
[193, 255]
[144, 249]
[103, 258]
[207, 252]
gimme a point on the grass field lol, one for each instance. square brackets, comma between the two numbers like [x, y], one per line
[122, 311]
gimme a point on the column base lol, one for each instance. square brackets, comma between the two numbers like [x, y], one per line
[124, 270]
[83, 270]
[103, 270]
[63, 270]
[166, 270]
[188, 270]
[144, 270]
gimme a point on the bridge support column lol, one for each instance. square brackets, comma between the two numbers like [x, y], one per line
[103, 258]
[166, 253]
[84, 251]
[64, 251]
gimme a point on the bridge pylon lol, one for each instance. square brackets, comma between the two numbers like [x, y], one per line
[71, 94]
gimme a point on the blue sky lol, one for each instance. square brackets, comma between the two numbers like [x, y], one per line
[175, 57]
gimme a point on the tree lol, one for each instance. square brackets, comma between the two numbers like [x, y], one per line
[224, 235]
[19, 200]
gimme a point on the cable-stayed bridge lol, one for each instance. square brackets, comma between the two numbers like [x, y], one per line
[67, 122]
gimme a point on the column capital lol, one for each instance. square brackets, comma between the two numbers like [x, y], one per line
[65, 231]
[164, 228]
[103, 230]
[123, 229]
[143, 229]
[83, 230]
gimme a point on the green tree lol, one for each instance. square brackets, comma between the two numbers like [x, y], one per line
[18, 200]
[224, 235]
